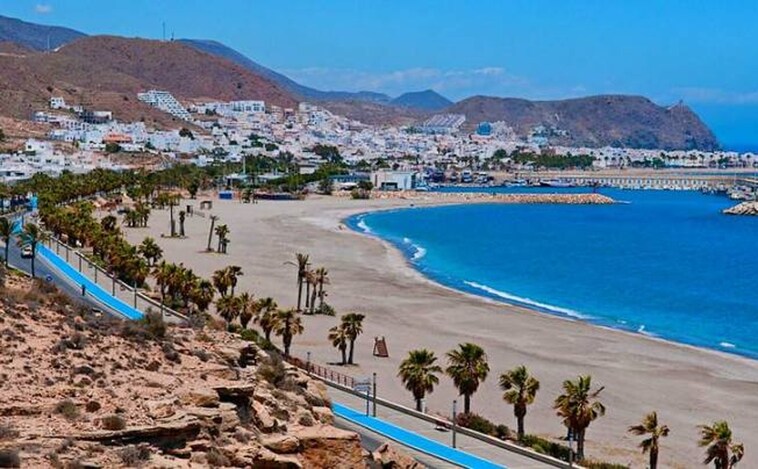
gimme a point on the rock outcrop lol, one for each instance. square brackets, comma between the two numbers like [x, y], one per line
[82, 391]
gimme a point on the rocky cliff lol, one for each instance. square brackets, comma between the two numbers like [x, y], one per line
[78, 390]
[595, 121]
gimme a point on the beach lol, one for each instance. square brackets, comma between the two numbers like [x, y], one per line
[686, 385]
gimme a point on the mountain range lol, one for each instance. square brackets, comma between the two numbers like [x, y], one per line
[39, 61]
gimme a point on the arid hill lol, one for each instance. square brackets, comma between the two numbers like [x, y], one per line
[595, 121]
[78, 390]
[106, 72]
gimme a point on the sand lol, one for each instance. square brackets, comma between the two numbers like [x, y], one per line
[686, 385]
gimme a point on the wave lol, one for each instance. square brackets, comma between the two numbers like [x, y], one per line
[363, 226]
[526, 301]
[727, 345]
[418, 250]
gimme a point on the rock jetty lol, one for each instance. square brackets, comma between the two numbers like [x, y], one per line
[494, 197]
[745, 208]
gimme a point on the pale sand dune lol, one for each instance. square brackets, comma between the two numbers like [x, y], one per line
[686, 385]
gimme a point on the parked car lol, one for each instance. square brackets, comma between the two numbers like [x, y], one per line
[27, 252]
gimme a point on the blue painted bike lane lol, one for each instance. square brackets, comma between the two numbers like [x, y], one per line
[93, 289]
[413, 440]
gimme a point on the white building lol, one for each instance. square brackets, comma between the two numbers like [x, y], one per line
[57, 102]
[164, 101]
[394, 180]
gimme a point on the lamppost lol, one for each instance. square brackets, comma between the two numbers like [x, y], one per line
[455, 418]
[373, 396]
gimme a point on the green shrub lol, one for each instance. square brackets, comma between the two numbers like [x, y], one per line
[250, 335]
[273, 370]
[360, 194]
[543, 446]
[595, 464]
[113, 422]
[67, 409]
[134, 456]
[477, 423]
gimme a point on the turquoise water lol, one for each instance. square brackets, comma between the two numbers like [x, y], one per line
[665, 264]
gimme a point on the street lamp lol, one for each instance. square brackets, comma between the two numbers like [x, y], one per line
[455, 417]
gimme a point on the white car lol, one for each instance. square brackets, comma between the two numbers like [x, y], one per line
[27, 252]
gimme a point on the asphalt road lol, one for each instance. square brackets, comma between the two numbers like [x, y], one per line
[45, 272]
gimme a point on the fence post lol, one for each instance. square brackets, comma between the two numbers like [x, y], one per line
[135, 294]
[113, 284]
[80, 260]
[373, 380]
[67, 252]
[455, 402]
[95, 272]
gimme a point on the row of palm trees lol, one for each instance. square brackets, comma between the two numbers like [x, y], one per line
[578, 405]
[314, 281]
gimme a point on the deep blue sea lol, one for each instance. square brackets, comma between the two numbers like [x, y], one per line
[663, 263]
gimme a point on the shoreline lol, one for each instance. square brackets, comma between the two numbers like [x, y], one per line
[525, 307]
[688, 385]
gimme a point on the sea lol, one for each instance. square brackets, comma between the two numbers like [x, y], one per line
[665, 264]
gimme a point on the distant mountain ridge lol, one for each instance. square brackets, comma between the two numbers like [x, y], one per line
[428, 100]
[222, 50]
[36, 36]
[596, 121]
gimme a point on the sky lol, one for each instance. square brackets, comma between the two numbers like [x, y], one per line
[702, 52]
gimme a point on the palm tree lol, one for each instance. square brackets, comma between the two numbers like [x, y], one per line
[419, 374]
[265, 315]
[520, 390]
[287, 323]
[210, 233]
[301, 261]
[234, 272]
[150, 250]
[31, 236]
[649, 426]
[321, 276]
[228, 307]
[173, 201]
[468, 367]
[579, 406]
[202, 294]
[338, 337]
[6, 233]
[222, 281]
[247, 308]
[222, 231]
[353, 324]
[720, 449]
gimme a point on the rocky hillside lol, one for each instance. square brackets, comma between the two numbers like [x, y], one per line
[428, 100]
[107, 72]
[84, 391]
[35, 36]
[615, 120]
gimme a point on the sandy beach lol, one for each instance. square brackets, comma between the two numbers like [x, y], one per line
[686, 385]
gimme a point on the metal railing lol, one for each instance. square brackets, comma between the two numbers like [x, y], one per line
[345, 384]
[107, 281]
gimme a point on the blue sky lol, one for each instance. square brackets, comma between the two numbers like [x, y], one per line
[704, 53]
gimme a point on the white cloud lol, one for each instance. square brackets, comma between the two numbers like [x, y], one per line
[716, 96]
[452, 83]
[43, 8]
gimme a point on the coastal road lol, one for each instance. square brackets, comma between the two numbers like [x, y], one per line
[428, 430]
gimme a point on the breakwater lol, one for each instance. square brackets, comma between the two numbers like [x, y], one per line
[485, 197]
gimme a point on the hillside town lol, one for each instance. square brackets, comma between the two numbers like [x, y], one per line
[81, 139]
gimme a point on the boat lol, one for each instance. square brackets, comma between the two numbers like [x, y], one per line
[556, 183]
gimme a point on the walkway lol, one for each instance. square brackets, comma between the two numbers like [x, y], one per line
[490, 455]
[413, 440]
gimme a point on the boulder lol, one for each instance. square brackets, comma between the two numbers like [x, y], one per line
[200, 399]
[388, 456]
[262, 418]
[281, 443]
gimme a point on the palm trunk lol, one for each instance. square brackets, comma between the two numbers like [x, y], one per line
[307, 293]
[313, 299]
[350, 357]
[467, 403]
[653, 459]
[34, 255]
[173, 225]
[520, 424]
[419, 406]
[210, 234]
[321, 295]
[287, 340]
[344, 358]
[267, 334]
[7, 243]
[299, 292]
[580, 445]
